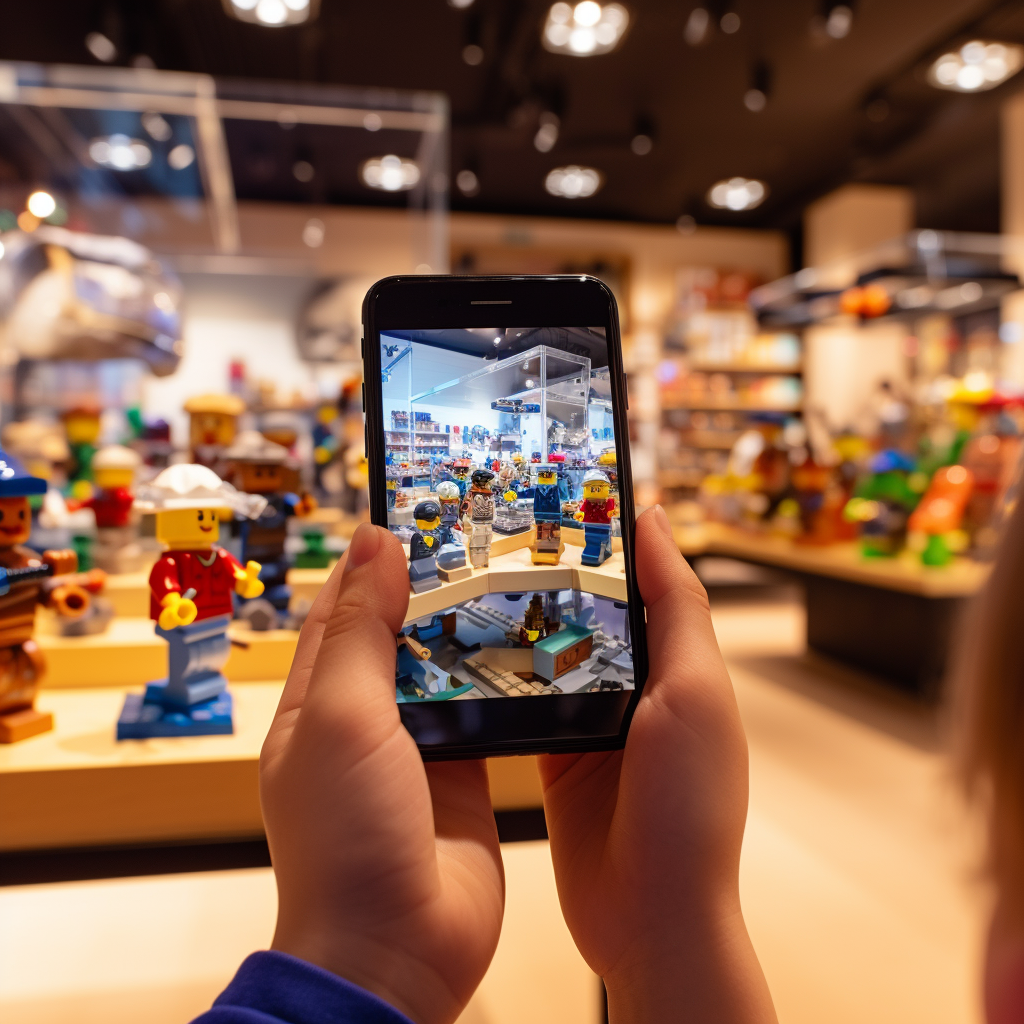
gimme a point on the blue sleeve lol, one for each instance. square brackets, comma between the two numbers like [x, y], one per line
[275, 988]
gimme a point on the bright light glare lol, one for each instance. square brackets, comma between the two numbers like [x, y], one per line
[737, 194]
[100, 47]
[181, 157]
[585, 30]
[573, 182]
[272, 13]
[244, 5]
[296, 5]
[467, 182]
[390, 173]
[120, 152]
[41, 204]
[839, 22]
[976, 66]
[1, 250]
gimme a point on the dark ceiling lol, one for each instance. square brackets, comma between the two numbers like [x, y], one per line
[853, 109]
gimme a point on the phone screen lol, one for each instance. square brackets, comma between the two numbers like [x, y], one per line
[501, 476]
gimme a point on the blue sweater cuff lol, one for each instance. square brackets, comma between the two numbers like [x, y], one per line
[275, 988]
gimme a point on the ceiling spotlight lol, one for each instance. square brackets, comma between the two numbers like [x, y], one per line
[976, 66]
[839, 21]
[303, 171]
[573, 182]
[473, 54]
[697, 26]
[120, 152]
[181, 157]
[156, 126]
[547, 134]
[641, 144]
[100, 47]
[686, 225]
[467, 182]
[737, 194]
[755, 99]
[460, 4]
[586, 29]
[390, 173]
[41, 204]
[730, 23]
[272, 13]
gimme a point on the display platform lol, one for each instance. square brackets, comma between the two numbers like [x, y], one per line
[77, 786]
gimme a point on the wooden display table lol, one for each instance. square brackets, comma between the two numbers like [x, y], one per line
[891, 616]
[77, 786]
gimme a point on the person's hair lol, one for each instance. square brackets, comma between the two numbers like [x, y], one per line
[989, 707]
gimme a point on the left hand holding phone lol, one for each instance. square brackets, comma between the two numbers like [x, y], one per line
[388, 870]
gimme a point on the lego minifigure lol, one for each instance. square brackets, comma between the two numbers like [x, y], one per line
[117, 546]
[460, 473]
[596, 515]
[424, 547]
[534, 626]
[940, 514]
[478, 508]
[192, 587]
[259, 466]
[26, 580]
[82, 427]
[213, 424]
[547, 513]
[451, 559]
[449, 498]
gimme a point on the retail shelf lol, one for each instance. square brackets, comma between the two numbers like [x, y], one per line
[718, 439]
[793, 369]
[681, 477]
[728, 405]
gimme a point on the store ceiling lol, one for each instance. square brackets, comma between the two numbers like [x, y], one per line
[855, 109]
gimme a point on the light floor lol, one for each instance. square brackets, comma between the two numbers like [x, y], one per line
[857, 881]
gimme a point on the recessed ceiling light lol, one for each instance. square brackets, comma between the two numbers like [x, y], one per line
[390, 173]
[573, 182]
[755, 100]
[41, 204]
[460, 4]
[467, 182]
[697, 25]
[273, 13]
[737, 194]
[730, 23]
[181, 157]
[120, 152]
[100, 47]
[156, 126]
[303, 171]
[547, 134]
[473, 54]
[641, 144]
[839, 21]
[586, 29]
[976, 66]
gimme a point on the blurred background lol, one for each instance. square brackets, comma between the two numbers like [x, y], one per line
[812, 216]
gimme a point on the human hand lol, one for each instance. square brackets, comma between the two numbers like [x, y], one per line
[247, 581]
[177, 611]
[646, 840]
[388, 870]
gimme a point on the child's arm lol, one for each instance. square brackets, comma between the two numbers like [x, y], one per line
[646, 841]
[388, 871]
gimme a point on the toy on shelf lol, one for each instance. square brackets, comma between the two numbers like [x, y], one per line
[192, 588]
[257, 465]
[82, 427]
[451, 558]
[314, 553]
[534, 625]
[478, 511]
[595, 513]
[940, 513]
[882, 503]
[117, 547]
[27, 580]
[547, 513]
[460, 474]
[424, 546]
[213, 424]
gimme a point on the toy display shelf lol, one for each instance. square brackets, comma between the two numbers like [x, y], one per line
[76, 786]
[728, 405]
[793, 369]
[889, 616]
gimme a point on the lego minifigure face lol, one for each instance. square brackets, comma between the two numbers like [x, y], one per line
[391, 485]
[546, 477]
[82, 427]
[428, 524]
[595, 490]
[188, 527]
[15, 521]
[212, 428]
[110, 478]
[260, 477]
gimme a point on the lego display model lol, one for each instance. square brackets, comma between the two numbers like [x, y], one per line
[26, 581]
[213, 424]
[497, 451]
[192, 589]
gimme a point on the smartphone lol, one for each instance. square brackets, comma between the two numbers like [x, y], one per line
[498, 453]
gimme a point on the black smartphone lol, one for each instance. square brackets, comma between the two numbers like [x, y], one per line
[498, 453]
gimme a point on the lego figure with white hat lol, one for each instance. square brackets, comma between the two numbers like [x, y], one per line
[117, 547]
[596, 514]
[192, 588]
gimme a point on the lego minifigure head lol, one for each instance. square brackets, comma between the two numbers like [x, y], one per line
[188, 528]
[213, 419]
[427, 515]
[460, 469]
[391, 484]
[596, 485]
[15, 521]
[82, 425]
[447, 493]
[115, 466]
[546, 475]
[259, 465]
[482, 479]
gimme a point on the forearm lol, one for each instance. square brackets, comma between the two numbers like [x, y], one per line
[710, 976]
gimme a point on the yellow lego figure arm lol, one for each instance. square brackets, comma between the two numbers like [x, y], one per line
[247, 580]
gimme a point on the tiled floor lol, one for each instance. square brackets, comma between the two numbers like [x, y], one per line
[857, 880]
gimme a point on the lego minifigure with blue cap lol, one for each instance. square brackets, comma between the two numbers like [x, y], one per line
[27, 580]
[547, 513]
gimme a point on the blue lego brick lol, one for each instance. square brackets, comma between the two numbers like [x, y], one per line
[142, 719]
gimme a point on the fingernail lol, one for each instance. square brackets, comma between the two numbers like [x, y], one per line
[363, 546]
[662, 520]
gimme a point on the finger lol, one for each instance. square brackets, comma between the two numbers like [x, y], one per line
[461, 796]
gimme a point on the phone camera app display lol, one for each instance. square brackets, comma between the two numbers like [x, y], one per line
[501, 481]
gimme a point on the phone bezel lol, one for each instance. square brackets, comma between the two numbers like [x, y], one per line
[566, 722]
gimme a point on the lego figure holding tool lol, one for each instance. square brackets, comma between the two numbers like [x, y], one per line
[596, 515]
[547, 513]
[27, 580]
[192, 590]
